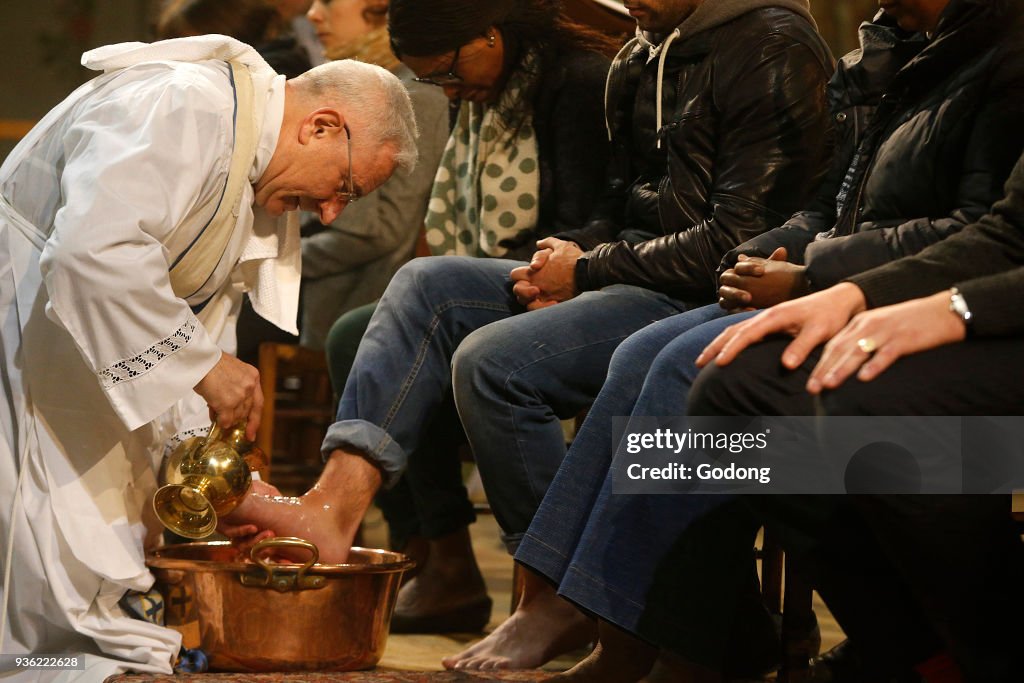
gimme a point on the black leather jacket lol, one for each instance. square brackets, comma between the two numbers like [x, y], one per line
[930, 131]
[745, 140]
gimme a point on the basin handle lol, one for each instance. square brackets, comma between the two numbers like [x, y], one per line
[274, 575]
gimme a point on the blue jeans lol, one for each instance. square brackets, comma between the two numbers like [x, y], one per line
[516, 379]
[604, 550]
[402, 373]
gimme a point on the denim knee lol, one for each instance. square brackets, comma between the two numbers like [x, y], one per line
[415, 279]
[476, 364]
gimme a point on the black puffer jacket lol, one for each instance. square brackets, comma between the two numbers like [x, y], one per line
[745, 141]
[931, 130]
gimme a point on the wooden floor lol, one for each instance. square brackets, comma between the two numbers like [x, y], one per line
[424, 652]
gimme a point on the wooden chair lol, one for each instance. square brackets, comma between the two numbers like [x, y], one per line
[786, 591]
[298, 407]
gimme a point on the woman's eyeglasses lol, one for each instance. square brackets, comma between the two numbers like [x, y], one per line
[443, 79]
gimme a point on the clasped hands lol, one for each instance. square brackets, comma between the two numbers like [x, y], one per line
[756, 282]
[551, 276]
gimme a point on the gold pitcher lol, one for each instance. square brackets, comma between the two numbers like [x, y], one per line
[204, 479]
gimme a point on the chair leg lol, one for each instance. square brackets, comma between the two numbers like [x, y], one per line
[771, 573]
[801, 639]
[268, 385]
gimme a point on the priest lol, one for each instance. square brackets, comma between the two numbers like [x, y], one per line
[132, 219]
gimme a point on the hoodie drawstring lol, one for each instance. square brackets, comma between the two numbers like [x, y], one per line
[661, 73]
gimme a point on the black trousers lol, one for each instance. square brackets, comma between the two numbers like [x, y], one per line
[904, 575]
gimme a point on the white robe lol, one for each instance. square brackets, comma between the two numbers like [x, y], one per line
[98, 357]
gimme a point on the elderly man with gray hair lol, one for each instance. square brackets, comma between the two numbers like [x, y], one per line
[132, 219]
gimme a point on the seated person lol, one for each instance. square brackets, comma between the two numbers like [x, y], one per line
[919, 144]
[549, 79]
[710, 151]
[925, 335]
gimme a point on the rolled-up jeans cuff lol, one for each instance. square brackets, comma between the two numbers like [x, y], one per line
[369, 441]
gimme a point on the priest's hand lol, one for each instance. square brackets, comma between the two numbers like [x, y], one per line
[244, 535]
[232, 391]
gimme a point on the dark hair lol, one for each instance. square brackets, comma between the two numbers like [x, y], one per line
[424, 28]
[250, 21]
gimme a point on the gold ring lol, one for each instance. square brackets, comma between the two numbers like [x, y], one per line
[867, 345]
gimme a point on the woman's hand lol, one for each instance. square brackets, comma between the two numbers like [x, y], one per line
[873, 340]
[812, 320]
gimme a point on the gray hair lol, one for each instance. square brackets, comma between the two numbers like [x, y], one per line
[371, 95]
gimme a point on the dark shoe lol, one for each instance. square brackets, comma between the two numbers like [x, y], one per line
[845, 664]
[841, 664]
[469, 618]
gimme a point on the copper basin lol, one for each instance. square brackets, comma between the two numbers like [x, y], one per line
[263, 616]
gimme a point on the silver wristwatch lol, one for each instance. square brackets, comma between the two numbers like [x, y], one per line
[958, 305]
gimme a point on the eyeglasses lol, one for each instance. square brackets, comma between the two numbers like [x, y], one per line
[443, 79]
[350, 194]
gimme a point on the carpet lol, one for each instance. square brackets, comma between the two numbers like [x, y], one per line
[376, 676]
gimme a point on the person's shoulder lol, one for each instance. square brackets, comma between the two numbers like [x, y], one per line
[207, 81]
[773, 18]
[771, 31]
[575, 70]
[774, 24]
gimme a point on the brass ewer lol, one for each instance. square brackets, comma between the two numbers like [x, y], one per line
[204, 479]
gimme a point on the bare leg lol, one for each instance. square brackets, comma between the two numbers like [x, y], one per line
[618, 658]
[448, 590]
[327, 515]
[542, 627]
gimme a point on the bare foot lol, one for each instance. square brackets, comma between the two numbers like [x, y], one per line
[618, 658]
[448, 580]
[328, 515]
[542, 627]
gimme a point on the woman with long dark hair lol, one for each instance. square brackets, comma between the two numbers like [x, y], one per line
[527, 84]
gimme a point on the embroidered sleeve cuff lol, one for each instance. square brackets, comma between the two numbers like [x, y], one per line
[142, 387]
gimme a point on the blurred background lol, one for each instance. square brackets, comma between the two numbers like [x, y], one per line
[41, 42]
